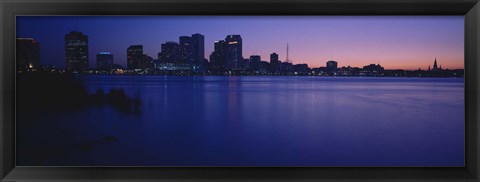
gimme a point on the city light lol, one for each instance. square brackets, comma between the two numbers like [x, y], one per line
[186, 58]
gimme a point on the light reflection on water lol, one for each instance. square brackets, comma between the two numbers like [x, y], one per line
[268, 121]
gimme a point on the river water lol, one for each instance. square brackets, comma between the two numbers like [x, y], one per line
[259, 121]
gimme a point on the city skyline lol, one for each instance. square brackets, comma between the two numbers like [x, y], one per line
[448, 48]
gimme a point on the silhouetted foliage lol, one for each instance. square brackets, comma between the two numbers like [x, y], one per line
[40, 91]
[37, 92]
[117, 98]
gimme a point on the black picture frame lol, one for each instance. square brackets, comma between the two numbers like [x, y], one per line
[11, 8]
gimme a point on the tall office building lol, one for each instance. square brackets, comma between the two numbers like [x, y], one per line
[27, 53]
[147, 62]
[192, 50]
[104, 61]
[170, 53]
[332, 65]
[76, 51]
[199, 46]
[274, 62]
[134, 56]
[187, 50]
[233, 51]
[274, 58]
[254, 63]
[217, 58]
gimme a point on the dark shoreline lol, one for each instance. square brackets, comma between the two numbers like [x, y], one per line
[39, 92]
[354, 72]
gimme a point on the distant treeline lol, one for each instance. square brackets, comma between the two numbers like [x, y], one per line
[424, 73]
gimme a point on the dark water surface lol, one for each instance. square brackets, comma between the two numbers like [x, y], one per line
[257, 121]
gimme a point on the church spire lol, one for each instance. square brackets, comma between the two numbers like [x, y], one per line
[435, 67]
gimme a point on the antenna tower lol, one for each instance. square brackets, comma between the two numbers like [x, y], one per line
[287, 60]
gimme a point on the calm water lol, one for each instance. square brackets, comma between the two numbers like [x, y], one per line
[260, 121]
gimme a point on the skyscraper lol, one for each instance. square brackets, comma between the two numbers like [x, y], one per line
[76, 51]
[170, 53]
[192, 50]
[187, 50]
[134, 56]
[217, 58]
[27, 53]
[273, 58]
[332, 65]
[274, 62]
[233, 51]
[104, 60]
[199, 46]
[146, 63]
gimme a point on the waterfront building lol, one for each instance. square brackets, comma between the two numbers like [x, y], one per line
[217, 58]
[27, 53]
[254, 63]
[233, 52]
[76, 51]
[372, 70]
[170, 53]
[332, 65]
[198, 41]
[300, 68]
[264, 66]
[244, 64]
[146, 63]
[349, 71]
[134, 57]
[104, 61]
[192, 51]
[157, 65]
[274, 58]
[286, 67]
[274, 62]
[187, 50]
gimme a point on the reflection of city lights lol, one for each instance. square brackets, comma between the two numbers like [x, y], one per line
[234, 42]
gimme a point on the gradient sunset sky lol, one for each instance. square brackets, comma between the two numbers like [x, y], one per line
[396, 42]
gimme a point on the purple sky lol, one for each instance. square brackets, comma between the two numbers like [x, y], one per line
[396, 42]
